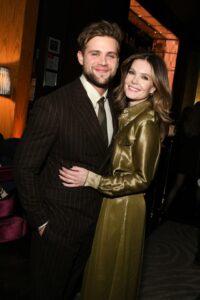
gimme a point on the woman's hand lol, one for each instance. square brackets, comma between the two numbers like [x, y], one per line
[74, 177]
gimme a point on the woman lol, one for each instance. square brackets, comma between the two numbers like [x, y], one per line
[143, 95]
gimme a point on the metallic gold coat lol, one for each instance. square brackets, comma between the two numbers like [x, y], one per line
[114, 267]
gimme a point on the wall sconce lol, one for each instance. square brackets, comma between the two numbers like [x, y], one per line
[5, 82]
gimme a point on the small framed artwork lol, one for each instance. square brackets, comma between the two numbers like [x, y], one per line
[54, 45]
[52, 62]
[50, 79]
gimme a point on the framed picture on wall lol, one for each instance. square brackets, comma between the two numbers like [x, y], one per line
[50, 79]
[52, 62]
[54, 45]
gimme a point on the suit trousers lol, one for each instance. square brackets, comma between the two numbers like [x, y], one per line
[57, 265]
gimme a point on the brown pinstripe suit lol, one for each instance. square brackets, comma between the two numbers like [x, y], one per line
[63, 130]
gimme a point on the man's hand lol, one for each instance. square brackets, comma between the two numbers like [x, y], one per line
[41, 229]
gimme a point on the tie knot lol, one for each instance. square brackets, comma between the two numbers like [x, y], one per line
[101, 101]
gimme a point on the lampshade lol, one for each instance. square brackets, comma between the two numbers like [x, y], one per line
[5, 82]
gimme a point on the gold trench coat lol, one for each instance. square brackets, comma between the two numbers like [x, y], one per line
[114, 267]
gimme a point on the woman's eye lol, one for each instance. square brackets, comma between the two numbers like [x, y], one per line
[145, 77]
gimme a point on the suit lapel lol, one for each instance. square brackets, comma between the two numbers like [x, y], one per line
[114, 117]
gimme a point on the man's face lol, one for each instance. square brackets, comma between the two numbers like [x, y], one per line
[100, 60]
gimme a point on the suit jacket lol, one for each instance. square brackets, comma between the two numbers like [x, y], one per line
[63, 129]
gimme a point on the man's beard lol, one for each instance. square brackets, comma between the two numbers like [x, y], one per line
[95, 81]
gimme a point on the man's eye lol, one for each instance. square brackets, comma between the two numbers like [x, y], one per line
[112, 56]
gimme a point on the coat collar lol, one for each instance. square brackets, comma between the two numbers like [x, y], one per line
[130, 113]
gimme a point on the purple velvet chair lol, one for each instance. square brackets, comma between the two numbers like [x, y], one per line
[13, 225]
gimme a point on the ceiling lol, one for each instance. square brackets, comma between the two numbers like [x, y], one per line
[143, 20]
[180, 17]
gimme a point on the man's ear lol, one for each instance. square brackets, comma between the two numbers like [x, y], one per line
[80, 57]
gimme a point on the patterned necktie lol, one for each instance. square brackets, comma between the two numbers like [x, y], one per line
[102, 118]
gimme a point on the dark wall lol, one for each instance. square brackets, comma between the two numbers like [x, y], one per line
[63, 20]
[186, 78]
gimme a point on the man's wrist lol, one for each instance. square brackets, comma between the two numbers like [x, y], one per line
[43, 225]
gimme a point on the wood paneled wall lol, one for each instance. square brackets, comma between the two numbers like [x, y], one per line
[18, 21]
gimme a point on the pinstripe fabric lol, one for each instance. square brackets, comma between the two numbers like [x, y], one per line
[62, 130]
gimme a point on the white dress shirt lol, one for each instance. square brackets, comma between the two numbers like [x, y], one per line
[94, 97]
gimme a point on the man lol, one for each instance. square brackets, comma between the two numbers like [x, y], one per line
[63, 129]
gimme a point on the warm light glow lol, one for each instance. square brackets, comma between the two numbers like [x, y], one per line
[165, 42]
[149, 20]
[7, 107]
[5, 82]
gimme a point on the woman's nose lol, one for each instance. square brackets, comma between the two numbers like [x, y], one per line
[134, 78]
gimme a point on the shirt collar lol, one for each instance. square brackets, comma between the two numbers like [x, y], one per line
[91, 92]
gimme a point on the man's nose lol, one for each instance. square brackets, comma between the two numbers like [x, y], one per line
[103, 60]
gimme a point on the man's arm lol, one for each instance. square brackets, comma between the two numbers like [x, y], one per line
[30, 156]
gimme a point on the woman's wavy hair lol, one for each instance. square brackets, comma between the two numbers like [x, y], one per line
[161, 99]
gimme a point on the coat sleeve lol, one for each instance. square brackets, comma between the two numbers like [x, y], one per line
[145, 150]
[31, 153]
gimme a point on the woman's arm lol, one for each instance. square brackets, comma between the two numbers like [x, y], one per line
[74, 177]
[145, 153]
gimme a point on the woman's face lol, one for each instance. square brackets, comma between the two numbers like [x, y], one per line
[138, 82]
